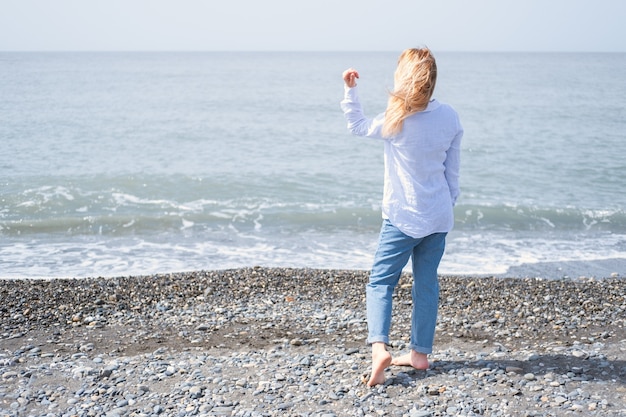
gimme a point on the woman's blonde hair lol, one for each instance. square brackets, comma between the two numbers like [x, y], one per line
[414, 84]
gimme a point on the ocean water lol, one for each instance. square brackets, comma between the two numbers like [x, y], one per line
[137, 163]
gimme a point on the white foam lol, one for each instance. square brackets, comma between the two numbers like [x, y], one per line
[495, 253]
[123, 199]
[482, 253]
[187, 224]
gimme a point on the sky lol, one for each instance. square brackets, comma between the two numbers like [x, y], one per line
[313, 25]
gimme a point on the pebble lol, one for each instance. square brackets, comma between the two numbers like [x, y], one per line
[260, 342]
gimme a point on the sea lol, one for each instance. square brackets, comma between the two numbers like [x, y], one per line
[135, 163]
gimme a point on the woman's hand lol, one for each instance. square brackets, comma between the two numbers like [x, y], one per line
[349, 77]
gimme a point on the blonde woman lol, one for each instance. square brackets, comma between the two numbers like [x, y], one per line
[421, 139]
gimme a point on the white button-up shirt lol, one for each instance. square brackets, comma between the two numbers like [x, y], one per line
[422, 162]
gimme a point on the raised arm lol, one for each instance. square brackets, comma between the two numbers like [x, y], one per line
[358, 124]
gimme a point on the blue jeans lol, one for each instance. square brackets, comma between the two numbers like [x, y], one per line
[394, 250]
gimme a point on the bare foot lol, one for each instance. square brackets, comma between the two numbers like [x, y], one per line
[414, 359]
[381, 359]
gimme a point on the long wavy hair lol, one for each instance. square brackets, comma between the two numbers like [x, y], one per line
[414, 84]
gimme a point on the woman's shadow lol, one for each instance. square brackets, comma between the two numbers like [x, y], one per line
[561, 366]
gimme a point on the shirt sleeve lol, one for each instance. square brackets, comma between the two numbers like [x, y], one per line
[452, 165]
[358, 124]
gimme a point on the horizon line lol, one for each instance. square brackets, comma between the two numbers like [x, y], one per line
[295, 51]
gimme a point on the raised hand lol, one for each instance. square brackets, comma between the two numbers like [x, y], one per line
[350, 76]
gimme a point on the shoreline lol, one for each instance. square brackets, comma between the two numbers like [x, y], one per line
[610, 268]
[289, 341]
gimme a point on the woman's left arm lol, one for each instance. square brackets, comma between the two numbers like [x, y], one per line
[358, 124]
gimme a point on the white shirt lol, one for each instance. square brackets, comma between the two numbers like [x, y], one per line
[421, 165]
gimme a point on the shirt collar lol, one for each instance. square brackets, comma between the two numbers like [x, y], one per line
[433, 104]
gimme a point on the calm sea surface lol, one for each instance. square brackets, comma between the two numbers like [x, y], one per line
[136, 163]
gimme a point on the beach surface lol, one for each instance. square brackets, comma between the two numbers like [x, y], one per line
[278, 341]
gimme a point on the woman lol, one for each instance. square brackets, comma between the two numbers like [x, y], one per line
[421, 155]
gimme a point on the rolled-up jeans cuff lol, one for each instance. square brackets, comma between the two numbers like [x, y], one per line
[378, 339]
[421, 349]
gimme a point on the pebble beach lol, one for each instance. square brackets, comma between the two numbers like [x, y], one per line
[291, 342]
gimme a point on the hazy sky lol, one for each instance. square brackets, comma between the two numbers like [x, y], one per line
[368, 25]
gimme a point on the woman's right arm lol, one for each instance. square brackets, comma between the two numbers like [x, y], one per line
[452, 164]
